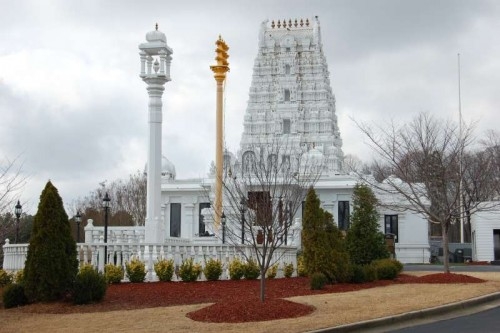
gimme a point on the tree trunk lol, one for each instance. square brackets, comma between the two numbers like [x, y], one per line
[446, 257]
[262, 285]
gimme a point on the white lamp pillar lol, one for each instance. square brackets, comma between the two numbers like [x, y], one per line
[155, 56]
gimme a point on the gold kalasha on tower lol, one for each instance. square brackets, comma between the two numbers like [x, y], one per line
[220, 70]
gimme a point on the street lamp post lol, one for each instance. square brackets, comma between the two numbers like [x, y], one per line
[18, 211]
[243, 209]
[78, 219]
[223, 218]
[105, 204]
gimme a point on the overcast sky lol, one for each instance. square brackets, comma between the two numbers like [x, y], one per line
[75, 110]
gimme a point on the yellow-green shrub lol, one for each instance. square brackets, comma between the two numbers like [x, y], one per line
[288, 270]
[251, 269]
[5, 278]
[213, 269]
[136, 270]
[272, 271]
[19, 276]
[113, 273]
[236, 269]
[189, 271]
[164, 269]
[301, 268]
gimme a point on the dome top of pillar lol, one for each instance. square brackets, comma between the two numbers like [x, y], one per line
[156, 36]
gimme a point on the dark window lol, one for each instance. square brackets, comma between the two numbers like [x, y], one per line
[201, 225]
[287, 69]
[286, 126]
[175, 220]
[261, 203]
[344, 212]
[287, 95]
[391, 225]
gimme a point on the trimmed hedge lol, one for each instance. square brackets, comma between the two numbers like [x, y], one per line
[189, 271]
[164, 269]
[13, 296]
[90, 286]
[213, 269]
[136, 270]
[113, 273]
[318, 281]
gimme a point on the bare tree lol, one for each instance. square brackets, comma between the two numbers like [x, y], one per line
[11, 182]
[261, 199]
[127, 205]
[424, 163]
[353, 163]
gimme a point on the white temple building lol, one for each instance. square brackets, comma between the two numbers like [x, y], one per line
[291, 104]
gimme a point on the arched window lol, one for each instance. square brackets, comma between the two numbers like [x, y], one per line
[287, 69]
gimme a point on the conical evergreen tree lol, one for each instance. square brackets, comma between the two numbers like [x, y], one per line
[51, 264]
[365, 242]
[322, 243]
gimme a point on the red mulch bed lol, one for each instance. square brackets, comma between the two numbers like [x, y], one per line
[235, 301]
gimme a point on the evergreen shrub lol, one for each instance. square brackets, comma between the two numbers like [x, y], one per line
[251, 270]
[272, 271]
[5, 278]
[136, 270]
[113, 273]
[301, 268]
[288, 270]
[371, 273]
[164, 269]
[13, 295]
[19, 276]
[236, 269]
[213, 269]
[358, 274]
[189, 271]
[90, 286]
[386, 269]
[318, 281]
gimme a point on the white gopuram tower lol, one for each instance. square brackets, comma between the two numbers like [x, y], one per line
[155, 71]
[290, 99]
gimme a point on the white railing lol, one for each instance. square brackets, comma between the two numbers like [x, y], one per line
[121, 253]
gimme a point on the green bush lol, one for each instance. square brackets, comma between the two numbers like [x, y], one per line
[189, 271]
[251, 269]
[371, 273]
[318, 281]
[19, 277]
[164, 269]
[272, 271]
[301, 268]
[213, 269]
[90, 286]
[136, 270]
[288, 270]
[399, 266]
[13, 295]
[358, 274]
[386, 269]
[5, 278]
[113, 273]
[236, 269]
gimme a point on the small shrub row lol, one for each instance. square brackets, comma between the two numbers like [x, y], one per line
[5, 278]
[213, 269]
[383, 269]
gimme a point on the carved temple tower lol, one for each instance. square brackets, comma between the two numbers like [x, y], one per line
[290, 97]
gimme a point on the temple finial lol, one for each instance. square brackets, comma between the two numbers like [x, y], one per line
[156, 26]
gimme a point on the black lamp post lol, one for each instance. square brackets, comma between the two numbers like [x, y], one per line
[223, 218]
[243, 209]
[78, 219]
[105, 204]
[18, 210]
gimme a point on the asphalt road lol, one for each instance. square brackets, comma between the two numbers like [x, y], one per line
[487, 321]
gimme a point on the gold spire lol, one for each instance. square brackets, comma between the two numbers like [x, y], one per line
[156, 26]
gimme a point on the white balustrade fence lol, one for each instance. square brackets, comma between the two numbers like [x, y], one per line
[120, 253]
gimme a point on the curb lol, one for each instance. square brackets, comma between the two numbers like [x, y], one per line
[418, 314]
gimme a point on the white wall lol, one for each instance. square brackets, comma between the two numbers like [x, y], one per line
[482, 224]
